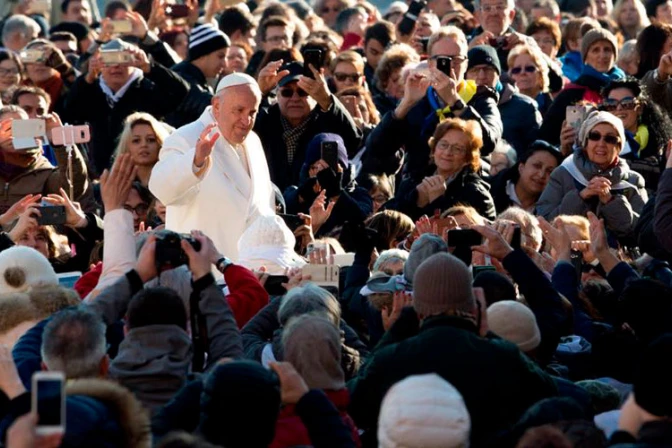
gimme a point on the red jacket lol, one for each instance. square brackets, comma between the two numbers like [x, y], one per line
[289, 429]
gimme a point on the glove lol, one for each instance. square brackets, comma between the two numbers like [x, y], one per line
[307, 191]
[330, 180]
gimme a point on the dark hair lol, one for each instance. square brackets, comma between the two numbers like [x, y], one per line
[60, 36]
[344, 17]
[650, 43]
[143, 192]
[114, 6]
[29, 90]
[156, 306]
[646, 305]
[235, 19]
[286, 54]
[535, 147]
[383, 31]
[11, 56]
[66, 4]
[329, 50]
[269, 22]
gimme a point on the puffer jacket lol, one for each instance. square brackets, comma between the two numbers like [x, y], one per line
[199, 96]
[561, 195]
[520, 117]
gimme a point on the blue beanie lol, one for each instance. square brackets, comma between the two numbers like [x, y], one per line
[314, 150]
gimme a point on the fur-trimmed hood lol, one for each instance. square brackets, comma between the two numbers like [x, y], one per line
[121, 406]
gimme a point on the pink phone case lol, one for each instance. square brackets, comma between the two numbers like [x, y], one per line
[70, 135]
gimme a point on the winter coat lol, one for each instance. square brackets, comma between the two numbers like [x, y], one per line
[467, 188]
[498, 184]
[653, 434]
[497, 381]
[290, 430]
[268, 126]
[520, 118]
[660, 92]
[414, 131]
[561, 195]
[572, 65]
[662, 223]
[199, 96]
[44, 178]
[158, 92]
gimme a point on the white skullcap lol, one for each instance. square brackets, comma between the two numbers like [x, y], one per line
[237, 79]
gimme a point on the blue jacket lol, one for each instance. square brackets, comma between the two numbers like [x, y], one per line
[572, 65]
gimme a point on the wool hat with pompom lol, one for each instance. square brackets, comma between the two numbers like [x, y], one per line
[22, 268]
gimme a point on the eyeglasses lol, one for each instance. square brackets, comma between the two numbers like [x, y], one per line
[140, 209]
[455, 60]
[277, 39]
[288, 93]
[380, 198]
[494, 8]
[450, 148]
[609, 139]
[545, 41]
[527, 68]
[627, 103]
[342, 77]
[8, 72]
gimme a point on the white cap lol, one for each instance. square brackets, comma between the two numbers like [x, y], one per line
[237, 79]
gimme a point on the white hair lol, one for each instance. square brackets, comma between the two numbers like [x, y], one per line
[20, 24]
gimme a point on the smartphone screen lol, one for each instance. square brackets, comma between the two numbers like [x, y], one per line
[48, 400]
[443, 63]
[314, 58]
[464, 237]
[330, 154]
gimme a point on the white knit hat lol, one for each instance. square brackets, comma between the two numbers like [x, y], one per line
[22, 267]
[597, 117]
[423, 411]
[268, 242]
[514, 322]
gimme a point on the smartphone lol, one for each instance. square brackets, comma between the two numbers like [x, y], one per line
[48, 401]
[516, 239]
[312, 57]
[443, 63]
[575, 115]
[464, 237]
[51, 215]
[330, 154]
[70, 135]
[407, 23]
[177, 11]
[576, 258]
[25, 133]
[122, 26]
[292, 221]
[322, 274]
[273, 285]
[33, 56]
[115, 57]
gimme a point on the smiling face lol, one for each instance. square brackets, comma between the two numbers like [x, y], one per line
[9, 75]
[235, 109]
[535, 173]
[628, 116]
[450, 152]
[143, 145]
[601, 56]
[599, 152]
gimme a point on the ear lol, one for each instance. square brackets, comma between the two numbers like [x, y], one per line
[520, 167]
[512, 14]
[214, 102]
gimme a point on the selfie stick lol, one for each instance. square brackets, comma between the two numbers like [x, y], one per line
[69, 148]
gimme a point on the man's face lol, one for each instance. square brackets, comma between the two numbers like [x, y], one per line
[235, 109]
[664, 12]
[496, 16]
[427, 25]
[358, 23]
[483, 75]
[277, 37]
[34, 105]
[137, 207]
[214, 64]
[17, 41]
[449, 47]
[373, 50]
[295, 105]
[115, 76]
[604, 7]
[78, 11]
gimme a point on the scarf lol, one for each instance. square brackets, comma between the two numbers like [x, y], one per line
[292, 135]
[615, 74]
[572, 168]
[636, 143]
[114, 97]
[53, 86]
[466, 90]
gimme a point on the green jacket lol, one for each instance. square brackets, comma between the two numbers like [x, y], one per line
[497, 381]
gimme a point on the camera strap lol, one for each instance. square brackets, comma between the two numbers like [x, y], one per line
[199, 333]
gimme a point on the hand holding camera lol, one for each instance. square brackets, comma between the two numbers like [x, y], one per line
[201, 256]
[74, 216]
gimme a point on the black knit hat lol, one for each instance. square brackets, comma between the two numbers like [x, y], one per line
[652, 386]
[205, 39]
[484, 55]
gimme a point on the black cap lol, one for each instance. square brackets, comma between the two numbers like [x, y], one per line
[295, 72]
[484, 55]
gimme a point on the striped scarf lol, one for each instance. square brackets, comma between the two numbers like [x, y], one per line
[292, 135]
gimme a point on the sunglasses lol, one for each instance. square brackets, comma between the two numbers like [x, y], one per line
[342, 77]
[609, 139]
[288, 93]
[527, 68]
[627, 103]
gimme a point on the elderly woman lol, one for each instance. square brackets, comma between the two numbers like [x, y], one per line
[388, 76]
[502, 158]
[11, 74]
[630, 15]
[599, 50]
[452, 176]
[529, 72]
[628, 59]
[142, 137]
[595, 179]
[647, 129]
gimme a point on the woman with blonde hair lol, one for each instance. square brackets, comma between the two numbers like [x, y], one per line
[630, 15]
[529, 71]
[142, 137]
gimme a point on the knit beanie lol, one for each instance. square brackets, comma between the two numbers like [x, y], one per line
[594, 35]
[652, 7]
[423, 411]
[205, 39]
[312, 344]
[442, 284]
[597, 117]
[314, 149]
[484, 55]
[22, 267]
[514, 322]
[422, 248]
[652, 386]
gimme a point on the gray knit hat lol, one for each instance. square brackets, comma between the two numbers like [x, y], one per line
[442, 284]
[422, 248]
[595, 35]
[597, 117]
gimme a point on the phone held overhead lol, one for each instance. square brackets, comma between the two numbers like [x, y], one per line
[48, 402]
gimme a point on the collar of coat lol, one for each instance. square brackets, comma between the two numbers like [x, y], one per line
[445, 320]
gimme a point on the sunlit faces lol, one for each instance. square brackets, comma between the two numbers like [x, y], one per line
[629, 16]
[536, 172]
[664, 12]
[395, 86]
[235, 109]
[601, 56]
[143, 145]
[449, 47]
[496, 16]
[294, 103]
[35, 238]
[277, 37]
[603, 145]
[623, 104]
[526, 75]
[346, 75]
[236, 59]
[9, 74]
[329, 12]
[450, 152]
[34, 105]
[214, 64]
[546, 43]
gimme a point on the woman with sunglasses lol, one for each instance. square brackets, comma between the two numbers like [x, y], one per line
[595, 179]
[529, 72]
[647, 129]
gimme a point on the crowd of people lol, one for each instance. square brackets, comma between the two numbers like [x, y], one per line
[423, 224]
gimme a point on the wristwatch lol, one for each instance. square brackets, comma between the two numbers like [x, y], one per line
[222, 264]
[459, 105]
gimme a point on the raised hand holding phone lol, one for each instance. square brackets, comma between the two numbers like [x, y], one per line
[48, 402]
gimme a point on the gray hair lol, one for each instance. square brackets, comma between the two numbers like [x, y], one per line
[531, 234]
[20, 24]
[628, 51]
[309, 298]
[509, 3]
[390, 256]
[504, 148]
[74, 343]
[13, 109]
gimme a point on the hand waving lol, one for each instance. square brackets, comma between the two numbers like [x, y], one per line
[205, 143]
[269, 76]
[116, 184]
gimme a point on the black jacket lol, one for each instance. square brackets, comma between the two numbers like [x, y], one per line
[655, 434]
[498, 188]
[413, 132]
[468, 188]
[199, 96]
[268, 126]
[520, 118]
[158, 93]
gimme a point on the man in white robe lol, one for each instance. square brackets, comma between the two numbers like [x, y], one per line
[212, 174]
